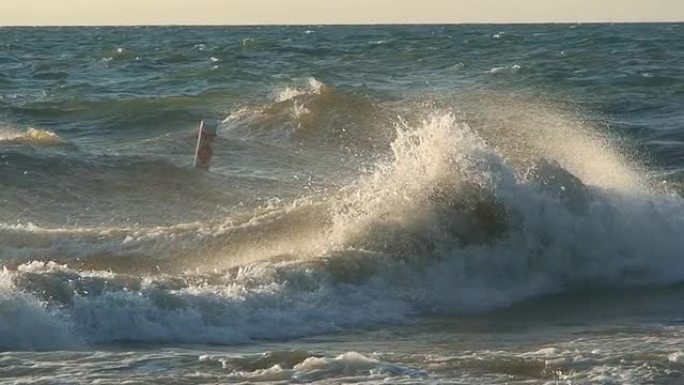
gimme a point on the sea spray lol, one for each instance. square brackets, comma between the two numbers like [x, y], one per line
[445, 224]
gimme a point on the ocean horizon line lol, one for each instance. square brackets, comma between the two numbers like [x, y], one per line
[381, 24]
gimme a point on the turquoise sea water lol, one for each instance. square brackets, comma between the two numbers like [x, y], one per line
[493, 204]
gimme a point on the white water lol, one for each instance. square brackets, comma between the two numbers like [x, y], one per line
[447, 224]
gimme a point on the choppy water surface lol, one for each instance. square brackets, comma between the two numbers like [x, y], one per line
[405, 204]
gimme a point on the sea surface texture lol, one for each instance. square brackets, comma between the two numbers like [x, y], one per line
[389, 204]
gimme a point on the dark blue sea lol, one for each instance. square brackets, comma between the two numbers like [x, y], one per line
[466, 204]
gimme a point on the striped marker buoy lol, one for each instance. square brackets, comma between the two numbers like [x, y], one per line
[205, 139]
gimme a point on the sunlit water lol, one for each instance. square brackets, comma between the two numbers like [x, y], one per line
[426, 204]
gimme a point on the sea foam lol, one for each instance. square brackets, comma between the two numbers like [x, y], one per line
[446, 223]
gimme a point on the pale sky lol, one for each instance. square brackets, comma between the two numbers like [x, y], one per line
[220, 12]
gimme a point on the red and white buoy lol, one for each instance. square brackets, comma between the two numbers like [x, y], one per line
[205, 139]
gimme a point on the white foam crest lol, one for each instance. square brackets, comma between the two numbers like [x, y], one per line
[300, 110]
[439, 152]
[533, 243]
[255, 302]
[315, 87]
[346, 365]
[677, 357]
[505, 69]
[289, 94]
[238, 114]
[33, 136]
[26, 323]
[291, 102]
[9, 134]
[274, 373]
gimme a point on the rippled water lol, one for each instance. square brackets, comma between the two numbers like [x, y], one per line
[405, 204]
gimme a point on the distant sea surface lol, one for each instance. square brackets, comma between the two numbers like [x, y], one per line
[490, 204]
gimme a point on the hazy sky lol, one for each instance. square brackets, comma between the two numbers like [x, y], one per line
[114, 12]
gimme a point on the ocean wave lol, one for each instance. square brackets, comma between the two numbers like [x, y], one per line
[452, 221]
[26, 323]
[225, 308]
[317, 114]
[289, 106]
[32, 136]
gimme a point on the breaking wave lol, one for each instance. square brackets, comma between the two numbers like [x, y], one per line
[458, 217]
